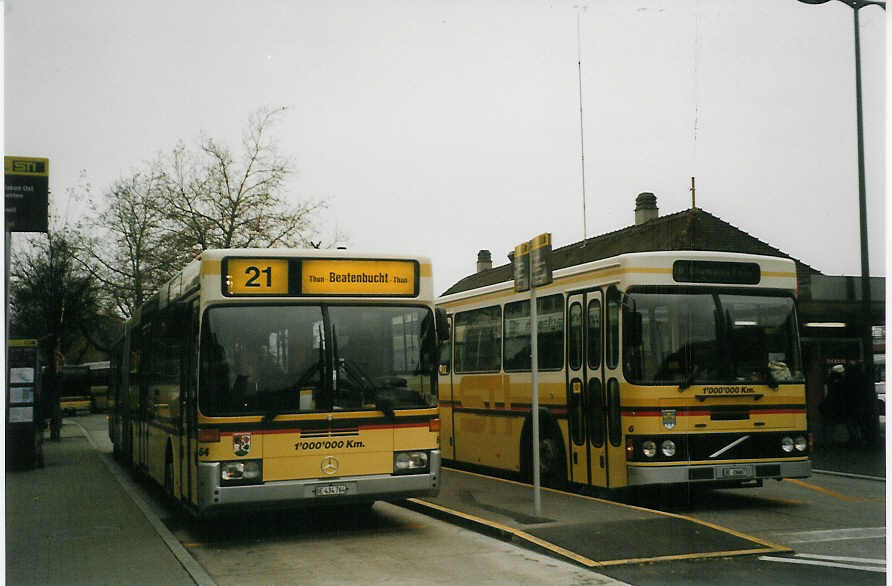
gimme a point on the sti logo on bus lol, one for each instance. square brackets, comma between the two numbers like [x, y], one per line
[669, 417]
[241, 444]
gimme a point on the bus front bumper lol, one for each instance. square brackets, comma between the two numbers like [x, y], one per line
[736, 473]
[213, 496]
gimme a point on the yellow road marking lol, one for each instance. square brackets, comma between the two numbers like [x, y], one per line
[587, 561]
[773, 546]
[782, 501]
[693, 556]
[767, 545]
[516, 532]
[826, 491]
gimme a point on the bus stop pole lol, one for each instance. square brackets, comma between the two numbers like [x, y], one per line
[534, 358]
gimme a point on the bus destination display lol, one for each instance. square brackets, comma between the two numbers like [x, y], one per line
[359, 277]
[325, 277]
[256, 276]
[726, 273]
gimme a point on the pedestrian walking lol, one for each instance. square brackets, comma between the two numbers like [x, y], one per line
[834, 407]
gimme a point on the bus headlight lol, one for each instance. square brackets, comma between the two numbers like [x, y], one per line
[787, 444]
[668, 448]
[649, 448]
[411, 462]
[241, 472]
[800, 443]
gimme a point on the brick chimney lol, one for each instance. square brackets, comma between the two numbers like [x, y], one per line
[484, 261]
[646, 208]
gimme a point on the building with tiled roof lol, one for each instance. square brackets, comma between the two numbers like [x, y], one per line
[692, 229]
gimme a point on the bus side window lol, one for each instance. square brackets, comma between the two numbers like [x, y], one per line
[517, 336]
[612, 327]
[550, 327]
[478, 340]
[574, 337]
[594, 334]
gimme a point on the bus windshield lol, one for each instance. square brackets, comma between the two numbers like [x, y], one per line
[272, 359]
[683, 338]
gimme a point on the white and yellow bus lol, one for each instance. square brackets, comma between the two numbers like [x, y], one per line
[655, 368]
[274, 377]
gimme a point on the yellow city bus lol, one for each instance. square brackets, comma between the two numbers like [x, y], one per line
[74, 392]
[99, 375]
[263, 378]
[655, 368]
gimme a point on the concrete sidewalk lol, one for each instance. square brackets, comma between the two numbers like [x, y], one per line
[72, 522]
[590, 531]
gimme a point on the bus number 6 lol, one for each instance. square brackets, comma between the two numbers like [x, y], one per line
[254, 276]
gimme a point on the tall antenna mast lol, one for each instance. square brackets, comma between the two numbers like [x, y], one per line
[581, 132]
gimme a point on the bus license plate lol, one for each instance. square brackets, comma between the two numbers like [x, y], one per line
[743, 471]
[331, 490]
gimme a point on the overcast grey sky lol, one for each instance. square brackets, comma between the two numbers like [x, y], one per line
[445, 127]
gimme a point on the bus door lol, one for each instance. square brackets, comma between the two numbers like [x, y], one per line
[189, 409]
[447, 407]
[588, 458]
[142, 423]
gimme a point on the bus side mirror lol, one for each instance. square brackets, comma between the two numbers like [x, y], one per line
[442, 325]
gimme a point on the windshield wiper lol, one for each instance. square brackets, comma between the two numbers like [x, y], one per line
[688, 380]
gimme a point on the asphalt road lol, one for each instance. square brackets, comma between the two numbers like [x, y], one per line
[387, 545]
[834, 524]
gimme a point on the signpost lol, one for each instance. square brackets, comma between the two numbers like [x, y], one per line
[27, 194]
[26, 182]
[532, 268]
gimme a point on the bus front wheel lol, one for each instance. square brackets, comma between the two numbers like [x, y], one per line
[552, 467]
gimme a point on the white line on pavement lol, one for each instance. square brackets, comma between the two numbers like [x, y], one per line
[767, 558]
[834, 535]
[836, 558]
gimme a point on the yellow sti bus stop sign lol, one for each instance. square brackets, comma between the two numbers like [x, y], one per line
[27, 194]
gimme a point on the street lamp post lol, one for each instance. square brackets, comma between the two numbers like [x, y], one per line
[867, 333]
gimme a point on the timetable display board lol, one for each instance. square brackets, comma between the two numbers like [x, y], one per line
[322, 277]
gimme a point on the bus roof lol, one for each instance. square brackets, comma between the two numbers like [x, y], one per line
[647, 268]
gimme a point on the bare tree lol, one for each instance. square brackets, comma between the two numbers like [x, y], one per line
[219, 200]
[156, 220]
[126, 252]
